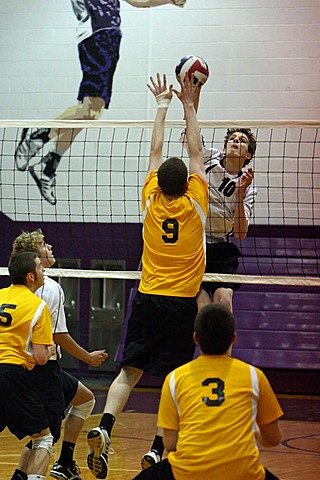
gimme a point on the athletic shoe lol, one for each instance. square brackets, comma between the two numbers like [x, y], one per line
[46, 185]
[65, 473]
[29, 145]
[150, 458]
[97, 460]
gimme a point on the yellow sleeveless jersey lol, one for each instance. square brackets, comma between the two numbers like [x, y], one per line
[173, 259]
[214, 403]
[24, 318]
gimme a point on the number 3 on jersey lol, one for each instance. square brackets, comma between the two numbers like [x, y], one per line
[171, 227]
[217, 391]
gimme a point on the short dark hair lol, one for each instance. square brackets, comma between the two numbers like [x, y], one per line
[215, 327]
[173, 177]
[252, 140]
[20, 265]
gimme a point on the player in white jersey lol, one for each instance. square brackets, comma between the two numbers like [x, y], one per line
[231, 201]
[57, 388]
[99, 36]
[232, 195]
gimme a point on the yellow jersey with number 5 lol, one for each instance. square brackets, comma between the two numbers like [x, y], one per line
[24, 318]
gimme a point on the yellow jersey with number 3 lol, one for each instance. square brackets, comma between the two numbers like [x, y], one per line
[24, 318]
[173, 260]
[214, 402]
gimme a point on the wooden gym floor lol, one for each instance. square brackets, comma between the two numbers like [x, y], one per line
[297, 458]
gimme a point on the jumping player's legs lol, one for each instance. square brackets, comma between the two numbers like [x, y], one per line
[203, 299]
[224, 296]
[159, 338]
[99, 437]
[221, 258]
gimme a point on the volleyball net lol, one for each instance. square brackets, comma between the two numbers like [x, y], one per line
[96, 222]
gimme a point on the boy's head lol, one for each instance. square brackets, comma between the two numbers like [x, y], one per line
[252, 142]
[173, 177]
[22, 264]
[28, 242]
[214, 329]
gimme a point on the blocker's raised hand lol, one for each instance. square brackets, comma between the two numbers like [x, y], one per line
[159, 86]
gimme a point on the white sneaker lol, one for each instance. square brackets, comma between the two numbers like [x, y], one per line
[30, 144]
[46, 185]
[150, 458]
[97, 460]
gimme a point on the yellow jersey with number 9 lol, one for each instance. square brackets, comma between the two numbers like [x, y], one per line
[173, 260]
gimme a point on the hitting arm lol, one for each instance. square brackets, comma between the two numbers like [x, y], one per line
[187, 97]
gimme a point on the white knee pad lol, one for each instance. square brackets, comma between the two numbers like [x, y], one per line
[45, 441]
[83, 411]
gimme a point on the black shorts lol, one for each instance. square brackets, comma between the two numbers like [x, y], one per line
[160, 333]
[159, 471]
[56, 388]
[99, 55]
[221, 257]
[163, 471]
[21, 409]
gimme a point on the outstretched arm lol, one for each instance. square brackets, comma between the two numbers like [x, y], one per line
[163, 97]
[69, 345]
[187, 97]
[156, 3]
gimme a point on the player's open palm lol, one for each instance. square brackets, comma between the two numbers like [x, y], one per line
[159, 87]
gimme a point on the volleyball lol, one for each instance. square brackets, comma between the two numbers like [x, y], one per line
[192, 64]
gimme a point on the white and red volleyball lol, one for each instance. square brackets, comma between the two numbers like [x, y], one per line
[192, 64]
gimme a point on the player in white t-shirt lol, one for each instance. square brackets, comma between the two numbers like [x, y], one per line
[57, 388]
[232, 195]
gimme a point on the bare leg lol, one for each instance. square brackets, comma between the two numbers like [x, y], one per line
[203, 299]
[120, 390]
[74, 424]
[39, 461]
[224, 296]
[39, 458]
[24, 459]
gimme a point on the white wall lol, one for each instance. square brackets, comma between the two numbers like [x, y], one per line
[264, 58]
